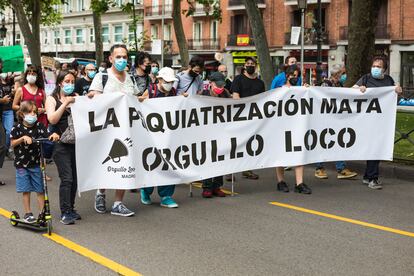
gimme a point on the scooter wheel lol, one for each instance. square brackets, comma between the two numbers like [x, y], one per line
[49, 227]
[13, 217]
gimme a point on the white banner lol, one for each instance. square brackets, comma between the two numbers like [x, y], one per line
[124, 144]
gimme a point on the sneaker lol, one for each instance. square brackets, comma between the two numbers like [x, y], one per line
[321, 173]
[218, 192]
[100, 204]
[145, 198]
[75, 215]
[365, 181]
[283, 187]
[67, 219]
[375, 184]
[229, 177]
[29, 218]
[207, 193]
[346, 174]
[121, 210]
[168, 202]
[250, 175]
[302, 188]
[2, 183]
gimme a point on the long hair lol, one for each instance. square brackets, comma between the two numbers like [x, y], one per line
[59, 79]
[25, 107]
[40, 83]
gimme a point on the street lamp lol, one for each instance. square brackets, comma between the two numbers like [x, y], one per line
[302, 4]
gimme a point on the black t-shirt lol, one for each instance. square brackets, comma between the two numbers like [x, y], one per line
[28, 156]
[228, 84]
[6, 89]
[247, 87]
[82, 86]
[368, 81]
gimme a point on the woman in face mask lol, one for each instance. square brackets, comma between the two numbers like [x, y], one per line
[58, 111]
[155, 68]
[32, 90]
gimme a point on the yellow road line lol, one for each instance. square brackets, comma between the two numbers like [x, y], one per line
[97, 258]
[199, 185]
[353, 221]
[118, 268]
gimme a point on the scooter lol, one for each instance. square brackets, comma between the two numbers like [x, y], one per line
[44, 221]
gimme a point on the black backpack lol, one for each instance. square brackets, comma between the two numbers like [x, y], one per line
[105, 78]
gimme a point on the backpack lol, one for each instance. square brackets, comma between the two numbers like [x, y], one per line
[105, 78]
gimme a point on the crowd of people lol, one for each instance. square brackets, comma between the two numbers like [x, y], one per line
[28, 112]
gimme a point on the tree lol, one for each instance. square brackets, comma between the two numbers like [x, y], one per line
[30, 14]
[361, 38]
[256, 23]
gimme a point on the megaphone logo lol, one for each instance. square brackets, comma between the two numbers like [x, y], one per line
[118, 150]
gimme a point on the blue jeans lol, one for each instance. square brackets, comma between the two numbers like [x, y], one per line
[163, 191]
[8, 120]
[29, 180]
[372, 170]
[340, 165]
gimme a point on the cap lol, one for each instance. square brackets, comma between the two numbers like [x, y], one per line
[218, 78]
[167, 74]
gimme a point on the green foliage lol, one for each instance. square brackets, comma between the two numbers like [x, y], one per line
[102, 6]
[211, 8]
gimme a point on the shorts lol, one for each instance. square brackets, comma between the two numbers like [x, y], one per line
[29, 180]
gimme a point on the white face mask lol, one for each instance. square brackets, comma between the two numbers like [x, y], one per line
[3, 76]
[167, 86]
[31, 79]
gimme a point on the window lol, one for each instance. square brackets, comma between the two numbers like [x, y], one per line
[197, 31]
[79, 36]
[67, 8]
[167, 32]
[56, 35]
[91, 35]
[18, 39]
[214, 30]
[105, 34]
[45, 37]
[118, 33]
[131, 36]
[118, 3]
[81, 5]
[68, 36]
[154, 31]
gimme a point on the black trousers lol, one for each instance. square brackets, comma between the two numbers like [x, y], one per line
[372, 170]
[64, 157]
[3, 148]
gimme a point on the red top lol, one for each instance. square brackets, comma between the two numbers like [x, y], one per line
[38, 100]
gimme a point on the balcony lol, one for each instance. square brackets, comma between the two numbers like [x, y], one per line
[201, 11]
[155, 12]
[381, 32]
[203, 44]
[295, 2]
[310, 37]
[237, 41]
[235, 5]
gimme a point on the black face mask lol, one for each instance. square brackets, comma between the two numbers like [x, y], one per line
[147, 69]
[193, 74]
[250, 70]
[293, 81]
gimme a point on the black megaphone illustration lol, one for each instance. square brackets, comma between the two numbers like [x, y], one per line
[117, 151]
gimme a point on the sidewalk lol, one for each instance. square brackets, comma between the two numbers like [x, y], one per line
[387, 169]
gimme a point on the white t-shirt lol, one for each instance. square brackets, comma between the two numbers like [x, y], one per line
[113, 84]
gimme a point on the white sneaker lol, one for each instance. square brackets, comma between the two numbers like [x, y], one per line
[375, 184]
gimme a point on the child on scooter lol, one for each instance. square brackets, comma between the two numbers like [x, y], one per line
[27, 156]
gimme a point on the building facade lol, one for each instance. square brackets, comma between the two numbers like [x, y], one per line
[233, 36]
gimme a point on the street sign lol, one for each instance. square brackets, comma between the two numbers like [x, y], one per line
[294, 35]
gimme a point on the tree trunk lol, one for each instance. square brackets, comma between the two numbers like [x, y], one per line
[179, 33]
[361, 38]
[256, 22]
[31, 35]
[97, 24]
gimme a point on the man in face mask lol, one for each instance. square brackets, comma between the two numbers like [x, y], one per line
[142, 71]
[223, 70]
[191, 81]
[82, 85]
[280, 79]
[245, 85]
[377, 78]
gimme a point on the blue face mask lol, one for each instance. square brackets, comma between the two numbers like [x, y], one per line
[376, 72]
[154, 71]
[68, 88]
[91, 74]
[30, 119]
[120, 64]
[342, 79]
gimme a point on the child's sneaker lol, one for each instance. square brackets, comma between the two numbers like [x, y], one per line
[29, 218]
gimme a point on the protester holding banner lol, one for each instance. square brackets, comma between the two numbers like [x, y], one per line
[217, 82]
[114, 80]
[292, 77]
[280, 79]
[59, 114]
[377, 78]
[245, 85]
[191, 81]
[337, 72]
[82, 85]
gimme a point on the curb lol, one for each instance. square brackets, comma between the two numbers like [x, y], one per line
[387, 169]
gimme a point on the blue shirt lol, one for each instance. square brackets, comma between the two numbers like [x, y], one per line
[280, 80]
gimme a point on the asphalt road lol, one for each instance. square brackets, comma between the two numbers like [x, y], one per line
[240, 235]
